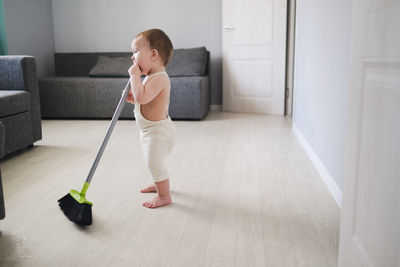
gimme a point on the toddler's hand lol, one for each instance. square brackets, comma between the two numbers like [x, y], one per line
[129, 97]
[135, 70]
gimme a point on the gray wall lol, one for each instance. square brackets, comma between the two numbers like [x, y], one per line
[29, 28]
[322, 79]
[106, 26]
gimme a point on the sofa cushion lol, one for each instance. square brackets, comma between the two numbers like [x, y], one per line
[111, 67]
[188, 62]
[13, 102]
[82, 97]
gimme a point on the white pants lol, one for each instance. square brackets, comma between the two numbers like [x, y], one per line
[157, 139]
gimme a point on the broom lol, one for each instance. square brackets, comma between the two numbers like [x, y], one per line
[74, 204]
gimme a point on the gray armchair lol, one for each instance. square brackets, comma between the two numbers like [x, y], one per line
[20, 119]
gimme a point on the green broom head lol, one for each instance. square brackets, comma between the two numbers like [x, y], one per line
[76, 207]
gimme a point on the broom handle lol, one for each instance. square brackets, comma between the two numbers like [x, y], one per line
[114, 120]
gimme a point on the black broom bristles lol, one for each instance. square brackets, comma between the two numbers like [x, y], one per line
[75, 211]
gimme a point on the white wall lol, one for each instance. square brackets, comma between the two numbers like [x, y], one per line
[29, 30]
[109, 26]
[321, 84]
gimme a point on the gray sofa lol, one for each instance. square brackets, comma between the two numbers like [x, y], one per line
[89, 85]
[20, 119]
[2, 208]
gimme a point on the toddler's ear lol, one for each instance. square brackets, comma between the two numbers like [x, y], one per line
[154, 53]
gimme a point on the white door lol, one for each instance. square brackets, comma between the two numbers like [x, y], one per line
[370, 226]
[253, 60]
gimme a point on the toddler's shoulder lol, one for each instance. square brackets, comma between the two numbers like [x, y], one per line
[159, 80]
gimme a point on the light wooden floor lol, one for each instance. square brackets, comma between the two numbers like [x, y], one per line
[244, 192]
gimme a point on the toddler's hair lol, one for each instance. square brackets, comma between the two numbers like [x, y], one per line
[160, 41]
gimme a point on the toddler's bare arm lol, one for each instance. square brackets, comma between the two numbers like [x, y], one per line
[145, 94]
[152, 88]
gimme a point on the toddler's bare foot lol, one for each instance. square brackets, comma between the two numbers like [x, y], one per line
[149, 189]
[158, 202]
[163, 197]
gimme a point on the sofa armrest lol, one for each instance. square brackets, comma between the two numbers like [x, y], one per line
[11, 73]
[2, 208]
[2, 141]
[190, 97]
[19, 73]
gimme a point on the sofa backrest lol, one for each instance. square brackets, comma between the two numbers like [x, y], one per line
[184, 62]
[188, 62]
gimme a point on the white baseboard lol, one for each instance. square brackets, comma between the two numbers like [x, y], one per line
[323, 172]
[216, 107]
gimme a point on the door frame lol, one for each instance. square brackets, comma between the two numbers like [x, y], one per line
[290, 56]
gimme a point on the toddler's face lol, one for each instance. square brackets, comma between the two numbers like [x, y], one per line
[141, 54]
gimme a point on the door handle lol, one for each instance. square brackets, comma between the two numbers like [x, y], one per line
[227, 28]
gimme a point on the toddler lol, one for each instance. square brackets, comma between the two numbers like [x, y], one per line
[152, 50]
